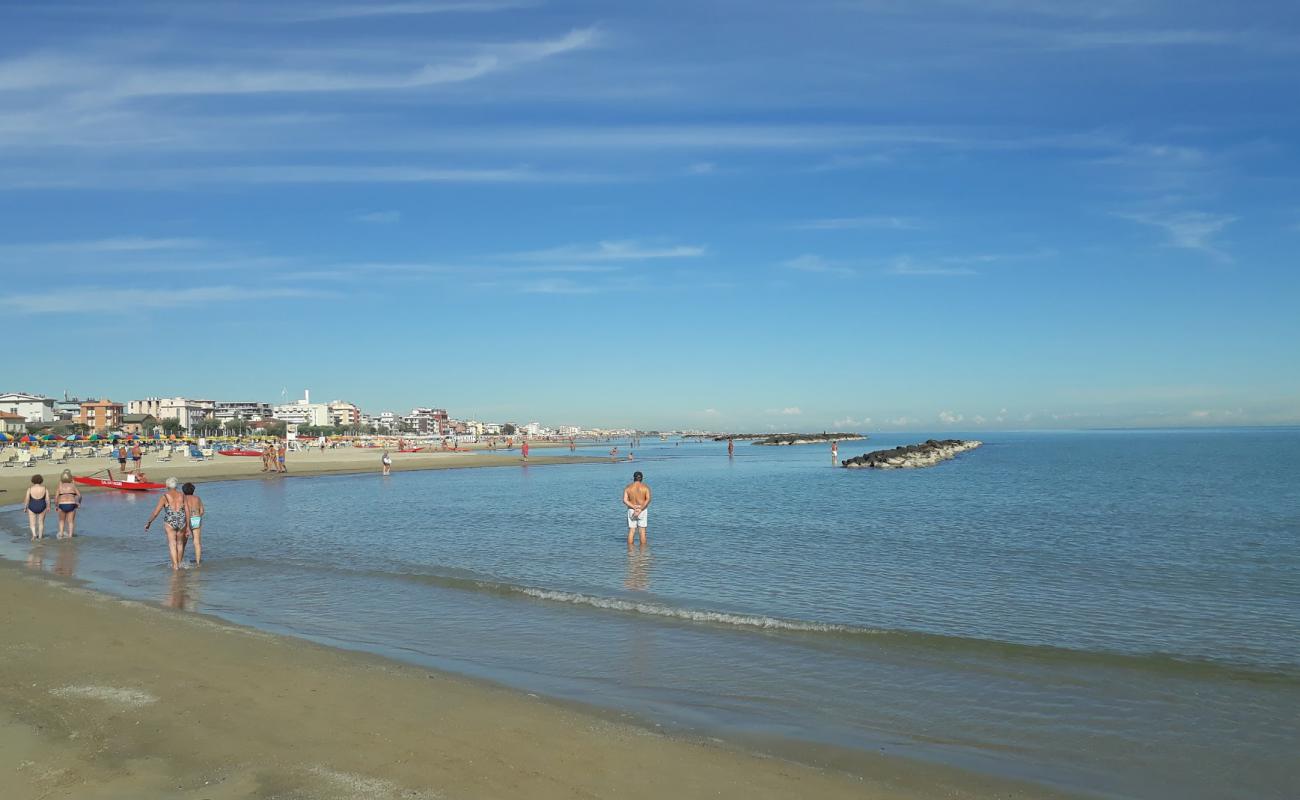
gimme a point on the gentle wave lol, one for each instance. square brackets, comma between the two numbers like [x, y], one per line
[690, 615]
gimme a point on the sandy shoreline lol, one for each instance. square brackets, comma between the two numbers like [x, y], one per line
[108, 698]
[14, 480]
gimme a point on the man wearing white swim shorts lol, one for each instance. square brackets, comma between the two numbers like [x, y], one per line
[636, 496]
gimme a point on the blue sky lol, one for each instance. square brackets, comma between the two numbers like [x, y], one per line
[728, 215]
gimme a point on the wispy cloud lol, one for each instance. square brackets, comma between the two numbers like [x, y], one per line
[792, 411]
[1189, 230]
[850, 423]
[379, 217]
[626, 250]
[121, 244]
[325, 12]
[907, 266]
[949, 417]
[859, 223]
[96, 299]
[164, 177]
[817, 264]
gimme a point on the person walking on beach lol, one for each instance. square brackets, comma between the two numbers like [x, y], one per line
[524, 450]
[194, 518]
[121, 454]
[37, 504]
[135, 457]
[284, 451]
[387, 462]
[636, 496]
[68, 498]
[175, 521]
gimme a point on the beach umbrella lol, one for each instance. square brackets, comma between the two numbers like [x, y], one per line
[49, 437]
[4, 437]
[94, 437]
[26, 438]
[72, 437]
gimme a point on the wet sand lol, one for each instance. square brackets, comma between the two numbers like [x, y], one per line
[105, 698]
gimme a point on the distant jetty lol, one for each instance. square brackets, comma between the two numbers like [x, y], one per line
[808, 438]
[913, 456]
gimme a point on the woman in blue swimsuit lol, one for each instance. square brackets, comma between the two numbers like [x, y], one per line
[37, 503]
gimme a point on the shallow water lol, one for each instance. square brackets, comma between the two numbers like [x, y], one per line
[1110, 612]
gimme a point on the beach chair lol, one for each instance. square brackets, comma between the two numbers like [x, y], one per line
[60, 456]
[8, 458]
[25, 458]
[196, 454]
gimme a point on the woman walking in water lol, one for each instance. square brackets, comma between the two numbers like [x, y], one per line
[37, 503]
[68, 498]
[387, 462]
[175, 520]
[194, 516]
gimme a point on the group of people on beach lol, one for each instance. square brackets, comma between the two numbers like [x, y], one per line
[66, 501]
[273, 458]
[182, 511]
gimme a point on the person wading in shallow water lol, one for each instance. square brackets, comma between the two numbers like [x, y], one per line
[636, 496]
[175, 521]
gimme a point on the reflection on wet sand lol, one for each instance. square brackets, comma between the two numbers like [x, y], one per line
[36, 556]
[182, 593]
[638, 569]
[65, 561]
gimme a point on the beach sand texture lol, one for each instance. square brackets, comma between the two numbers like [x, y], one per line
[103, 698]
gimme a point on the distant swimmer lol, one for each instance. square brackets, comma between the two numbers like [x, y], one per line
[194, 516]
[636, 496]
[387, 462]
[175, 521]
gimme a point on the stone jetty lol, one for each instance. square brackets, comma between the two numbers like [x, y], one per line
[912, 456]
[808, 438]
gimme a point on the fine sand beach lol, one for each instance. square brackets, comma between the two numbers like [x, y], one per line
[108, 698]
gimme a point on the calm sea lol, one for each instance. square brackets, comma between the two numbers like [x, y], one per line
[1112, 613]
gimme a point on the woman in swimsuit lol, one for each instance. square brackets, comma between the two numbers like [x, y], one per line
[37, 503]
[68, 498]
[175, 521]
[194, 511]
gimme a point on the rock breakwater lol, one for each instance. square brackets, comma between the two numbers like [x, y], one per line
[912, 456]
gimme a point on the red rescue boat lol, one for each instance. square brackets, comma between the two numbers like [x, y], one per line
[411, 450]
[129, 486]
[240, 452]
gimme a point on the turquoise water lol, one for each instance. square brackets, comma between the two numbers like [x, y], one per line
[1115, 613]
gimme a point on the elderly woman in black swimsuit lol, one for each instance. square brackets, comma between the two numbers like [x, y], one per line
[68, 500]
[175, 521]
[37, 504]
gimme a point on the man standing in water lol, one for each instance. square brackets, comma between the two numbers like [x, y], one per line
[636, 496]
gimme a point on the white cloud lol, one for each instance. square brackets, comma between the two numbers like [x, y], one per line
[850, 422]
[1189, 230]
[813, 263]
[555, 286]
[314, 12]
[702, 168]
[97, 299]
[949, 418]
[906, 266]
[859, 223]
[121, 244]
[791, 411]
[610, 251]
